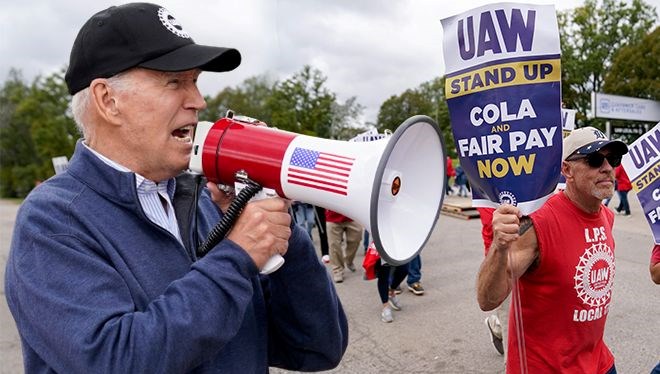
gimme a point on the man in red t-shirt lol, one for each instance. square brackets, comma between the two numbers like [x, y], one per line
[623, 185]
[450, 174]
[561, 258]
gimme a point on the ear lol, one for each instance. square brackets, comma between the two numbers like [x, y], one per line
[104, 100]
[567, 170]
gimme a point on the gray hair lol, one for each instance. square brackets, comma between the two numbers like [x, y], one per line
[81, 100]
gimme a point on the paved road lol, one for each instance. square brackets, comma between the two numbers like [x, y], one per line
[443, 330]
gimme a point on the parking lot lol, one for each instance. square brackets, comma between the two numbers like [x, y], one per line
[443, 331]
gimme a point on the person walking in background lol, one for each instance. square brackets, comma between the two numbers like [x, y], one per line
[623, 185]
[319, 215]
[547, 259]
[415, 276]
[450, 174]
[389, 278]
[365, 240]
[342, 229]
[303, 214]
[461, 181]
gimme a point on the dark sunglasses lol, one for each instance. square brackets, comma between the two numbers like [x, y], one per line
[595, 159]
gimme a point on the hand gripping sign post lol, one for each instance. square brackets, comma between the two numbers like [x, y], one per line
[642, 164]
[504, 98]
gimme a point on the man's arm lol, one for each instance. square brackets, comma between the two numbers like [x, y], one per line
[308, 327]
[655, 273]
[513, 250]
[655, 265]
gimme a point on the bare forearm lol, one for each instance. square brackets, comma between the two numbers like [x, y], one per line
[493, 284]
[655, 273]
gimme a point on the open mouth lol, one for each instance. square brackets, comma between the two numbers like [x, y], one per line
[183, 134]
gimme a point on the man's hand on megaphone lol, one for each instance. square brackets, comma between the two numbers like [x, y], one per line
[263, 229]
[220, 197]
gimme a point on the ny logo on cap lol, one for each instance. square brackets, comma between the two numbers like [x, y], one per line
[168, 20]
[599, 134]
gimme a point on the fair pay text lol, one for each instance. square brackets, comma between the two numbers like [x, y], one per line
[499, 116]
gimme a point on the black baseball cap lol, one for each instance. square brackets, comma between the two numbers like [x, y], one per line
[139, 35]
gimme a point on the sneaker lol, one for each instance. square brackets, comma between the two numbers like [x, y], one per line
[398, 290]
[386, 315]
[416, 288]
[394, 302]
[338, 277]
[351, 267]
[494, 337]
[325, 259]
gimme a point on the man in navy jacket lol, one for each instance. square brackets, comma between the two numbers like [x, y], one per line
[101, 277]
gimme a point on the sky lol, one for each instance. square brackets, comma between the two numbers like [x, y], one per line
[369, 49]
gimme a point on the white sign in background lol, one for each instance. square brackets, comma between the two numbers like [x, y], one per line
[623, 107]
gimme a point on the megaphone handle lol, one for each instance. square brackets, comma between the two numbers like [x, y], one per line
[272, 264]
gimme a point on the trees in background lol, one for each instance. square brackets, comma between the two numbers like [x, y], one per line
[606, 45]
[302, 104]
[590, 36]
[635, 69]
[35, 126]
[426, 99]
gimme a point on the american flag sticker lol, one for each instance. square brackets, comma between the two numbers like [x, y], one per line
[320, 170]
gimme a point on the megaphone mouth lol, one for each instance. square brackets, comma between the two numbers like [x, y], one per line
[402, 216]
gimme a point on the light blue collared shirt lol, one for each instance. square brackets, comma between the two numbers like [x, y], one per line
[155, 198]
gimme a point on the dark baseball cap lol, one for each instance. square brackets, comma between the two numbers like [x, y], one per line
[139, 35]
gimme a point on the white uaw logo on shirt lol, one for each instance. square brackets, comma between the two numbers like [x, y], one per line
[594, 276]
[168, 20]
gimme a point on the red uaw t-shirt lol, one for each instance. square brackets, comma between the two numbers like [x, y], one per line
[565, 300]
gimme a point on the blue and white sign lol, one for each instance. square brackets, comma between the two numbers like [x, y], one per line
[503, 92]
[642, 164]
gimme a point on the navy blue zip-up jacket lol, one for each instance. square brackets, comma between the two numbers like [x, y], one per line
[96, 287]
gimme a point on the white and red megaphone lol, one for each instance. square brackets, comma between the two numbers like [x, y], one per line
[393, 187]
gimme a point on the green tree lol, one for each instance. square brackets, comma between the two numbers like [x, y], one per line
[16, 148]
[345, 123]
[426, 99]
[590, 36]
[635, 69]
[303, 104]
[35, 127]
[248, 99]
[634, 73]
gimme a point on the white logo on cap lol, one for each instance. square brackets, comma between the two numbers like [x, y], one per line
[168, 20]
